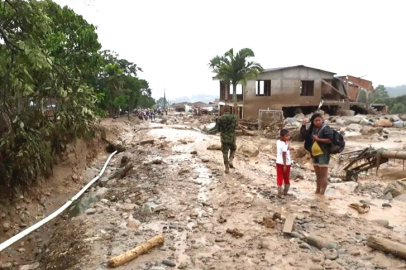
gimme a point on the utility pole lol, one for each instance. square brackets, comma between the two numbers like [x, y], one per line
[164, 99]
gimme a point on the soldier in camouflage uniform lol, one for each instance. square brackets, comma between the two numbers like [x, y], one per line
[226, 125]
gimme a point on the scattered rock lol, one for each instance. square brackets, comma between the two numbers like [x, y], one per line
[214, 147]
[221, 219]
[354, 127]
[396, 188]
[23, 225]
[193, 152]
[383, 123]
[398, 124]
[268, 222]
[150, 207]
[6, 226]
[134, 224]
[401, 198]
[296, 174]
[331, 254]
[367, 130]
[101, 193]
[75, 177]
[90, 211]
[276, 216]
[386, 205]
[168, 263]
[182, 265]
[235, 232]
[29, 266]
[249, 150]
[382, 222]
[7, 266]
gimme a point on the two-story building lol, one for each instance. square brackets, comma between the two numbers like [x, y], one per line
[289, 89]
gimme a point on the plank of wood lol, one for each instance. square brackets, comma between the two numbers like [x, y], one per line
[388, 246]
[287, 228]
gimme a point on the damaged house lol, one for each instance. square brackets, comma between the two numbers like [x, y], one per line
[290, 89]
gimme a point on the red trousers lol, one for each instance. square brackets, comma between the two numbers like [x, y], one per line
[281, 176]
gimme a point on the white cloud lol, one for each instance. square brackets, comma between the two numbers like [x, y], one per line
[174, 40]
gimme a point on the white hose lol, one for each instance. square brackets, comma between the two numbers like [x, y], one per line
[37, 225]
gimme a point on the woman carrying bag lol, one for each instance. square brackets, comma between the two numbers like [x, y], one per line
[318, 140]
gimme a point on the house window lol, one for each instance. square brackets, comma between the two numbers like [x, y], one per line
[307, 88]
[263, 88]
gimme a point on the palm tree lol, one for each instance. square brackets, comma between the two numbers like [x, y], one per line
[235, 69]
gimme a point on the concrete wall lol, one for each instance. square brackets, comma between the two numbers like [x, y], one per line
[285, 90]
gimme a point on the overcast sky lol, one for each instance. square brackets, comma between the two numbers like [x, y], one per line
[173, 40]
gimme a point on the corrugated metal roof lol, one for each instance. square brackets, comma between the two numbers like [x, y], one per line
[299, 66]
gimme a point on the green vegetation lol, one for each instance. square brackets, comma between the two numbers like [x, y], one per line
[397, 105]
[235, 69]
[54, 81]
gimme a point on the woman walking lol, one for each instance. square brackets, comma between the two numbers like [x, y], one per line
[318, 139]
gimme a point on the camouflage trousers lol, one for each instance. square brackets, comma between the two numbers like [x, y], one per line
[226, 147]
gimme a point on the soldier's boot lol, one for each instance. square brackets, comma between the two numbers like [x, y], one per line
[230, 163]
[279, 192]
[286, 189]
[226, 165]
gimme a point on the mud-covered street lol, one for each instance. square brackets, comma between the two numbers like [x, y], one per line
[211, 220]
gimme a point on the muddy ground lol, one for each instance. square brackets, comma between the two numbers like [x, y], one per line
[178, 187]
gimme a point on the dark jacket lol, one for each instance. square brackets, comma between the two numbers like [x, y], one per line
[325, 132]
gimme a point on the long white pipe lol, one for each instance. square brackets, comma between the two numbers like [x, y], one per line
[37, 225]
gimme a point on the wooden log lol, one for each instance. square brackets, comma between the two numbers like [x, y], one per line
[139, 250]
[385, 245]
[122, 172]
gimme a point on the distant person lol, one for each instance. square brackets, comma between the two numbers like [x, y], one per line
[283, 162]
[166, 112]
[318, 139]
[226, 124]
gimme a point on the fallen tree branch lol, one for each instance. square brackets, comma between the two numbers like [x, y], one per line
[385, 245]
[134, 253]
[121, 172]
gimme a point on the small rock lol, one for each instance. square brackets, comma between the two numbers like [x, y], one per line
[386, 204]
[134, 224]
[331, 254]
[75, 177]
[382, 222]
[6, 266]
[128, 207]
[355, 252]
[6, 226]
[22, 250]
[29, 266]
[193, 153]
[168, 263]
[182, 265]
[23, 225]
[295, 235]
[90, 211]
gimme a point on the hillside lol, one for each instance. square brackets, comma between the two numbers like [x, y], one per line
[206, 98]
[396, 90]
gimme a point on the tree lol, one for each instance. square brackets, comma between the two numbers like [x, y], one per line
[161, 103]
[47, 55]
[380, 92]
[235, 69]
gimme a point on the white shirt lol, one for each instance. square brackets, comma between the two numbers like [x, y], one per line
[282, 147]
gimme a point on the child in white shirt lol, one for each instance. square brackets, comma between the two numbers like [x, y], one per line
[283, 162]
